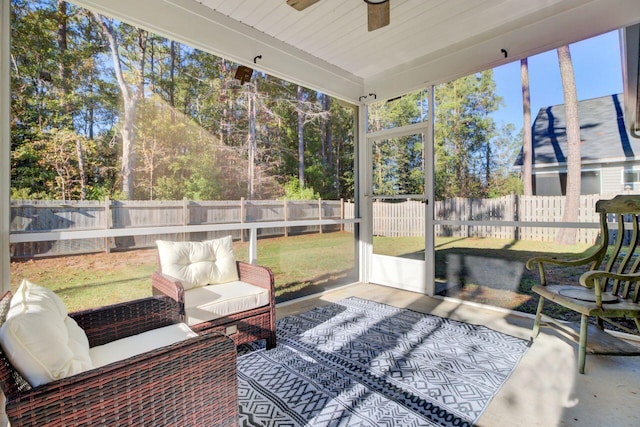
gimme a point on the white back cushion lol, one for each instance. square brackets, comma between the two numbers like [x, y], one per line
[198, 264]
[40, 340]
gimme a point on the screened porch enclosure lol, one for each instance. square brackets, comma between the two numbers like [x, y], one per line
[407, 242]
[338, 57]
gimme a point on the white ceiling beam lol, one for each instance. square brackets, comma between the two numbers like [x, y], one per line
[585, 20]
[198, 26]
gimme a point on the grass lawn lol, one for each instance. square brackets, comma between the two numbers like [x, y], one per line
[93, 280]
[310, 263]
[500, 277]
[301, 265]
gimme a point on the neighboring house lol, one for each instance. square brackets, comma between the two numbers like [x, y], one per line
[610, 155]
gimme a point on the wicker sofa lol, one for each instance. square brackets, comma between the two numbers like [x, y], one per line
[202, 302]
[192, 382]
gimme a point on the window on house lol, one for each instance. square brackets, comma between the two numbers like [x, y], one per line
[590, 182]
[631, 180]
[548, 184]
[555, 184]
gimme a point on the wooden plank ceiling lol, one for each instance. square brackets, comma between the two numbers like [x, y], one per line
[336, 30]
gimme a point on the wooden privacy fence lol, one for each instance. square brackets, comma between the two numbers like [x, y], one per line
[523, 209]
[34, 216]
[407, 218]
[455, 217]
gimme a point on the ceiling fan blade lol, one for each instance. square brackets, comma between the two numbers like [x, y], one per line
[378, 15]
[301, 4]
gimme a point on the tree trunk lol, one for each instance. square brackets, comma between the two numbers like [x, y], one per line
[91, 107]
[130, 101]
[567, 236]
[63, 68]
[527, 144]
[251, 136]
[327, 146]
[65, 80]
[487, 163]
[300, 138]
[172, 84]
[128, 133]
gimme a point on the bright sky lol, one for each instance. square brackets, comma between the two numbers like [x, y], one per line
[596, 64]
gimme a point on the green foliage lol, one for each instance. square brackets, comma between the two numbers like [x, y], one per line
[464, 133]
[198, 130]
[501, 186]
[398, 165]
[408, 109]
[192, 126]
[27, 194]
[293, 191]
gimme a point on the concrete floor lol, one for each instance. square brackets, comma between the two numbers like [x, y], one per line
[545, 389]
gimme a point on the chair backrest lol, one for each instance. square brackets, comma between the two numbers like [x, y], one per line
[11, 381]
[623, 257]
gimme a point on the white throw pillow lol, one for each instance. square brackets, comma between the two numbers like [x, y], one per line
[198, 264]
[40, 340]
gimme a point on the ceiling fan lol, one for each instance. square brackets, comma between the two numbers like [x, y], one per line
[377, 11]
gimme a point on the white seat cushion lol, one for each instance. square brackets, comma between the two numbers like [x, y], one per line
[40, 340]
[213, 301]
[125, 348]
[198, 263]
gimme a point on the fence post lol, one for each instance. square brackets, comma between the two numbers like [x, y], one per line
[286, 217]
[253, 246]
[242, 218]
[185, 217]
[341, 213]
[107, 223]
[320, 212]
[516, 216]
[469, 215]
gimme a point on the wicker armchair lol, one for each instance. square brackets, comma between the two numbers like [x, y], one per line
[243, 327]
[192, 382]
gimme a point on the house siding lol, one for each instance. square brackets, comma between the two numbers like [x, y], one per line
[607, 148]
[611, 181]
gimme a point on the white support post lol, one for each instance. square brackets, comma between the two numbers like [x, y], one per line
[363, 195]
[429, 181]
[5, 144]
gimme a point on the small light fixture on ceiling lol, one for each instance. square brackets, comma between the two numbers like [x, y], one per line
[377, 14]
[243, 74]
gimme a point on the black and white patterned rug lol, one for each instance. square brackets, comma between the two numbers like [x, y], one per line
[361, 363]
